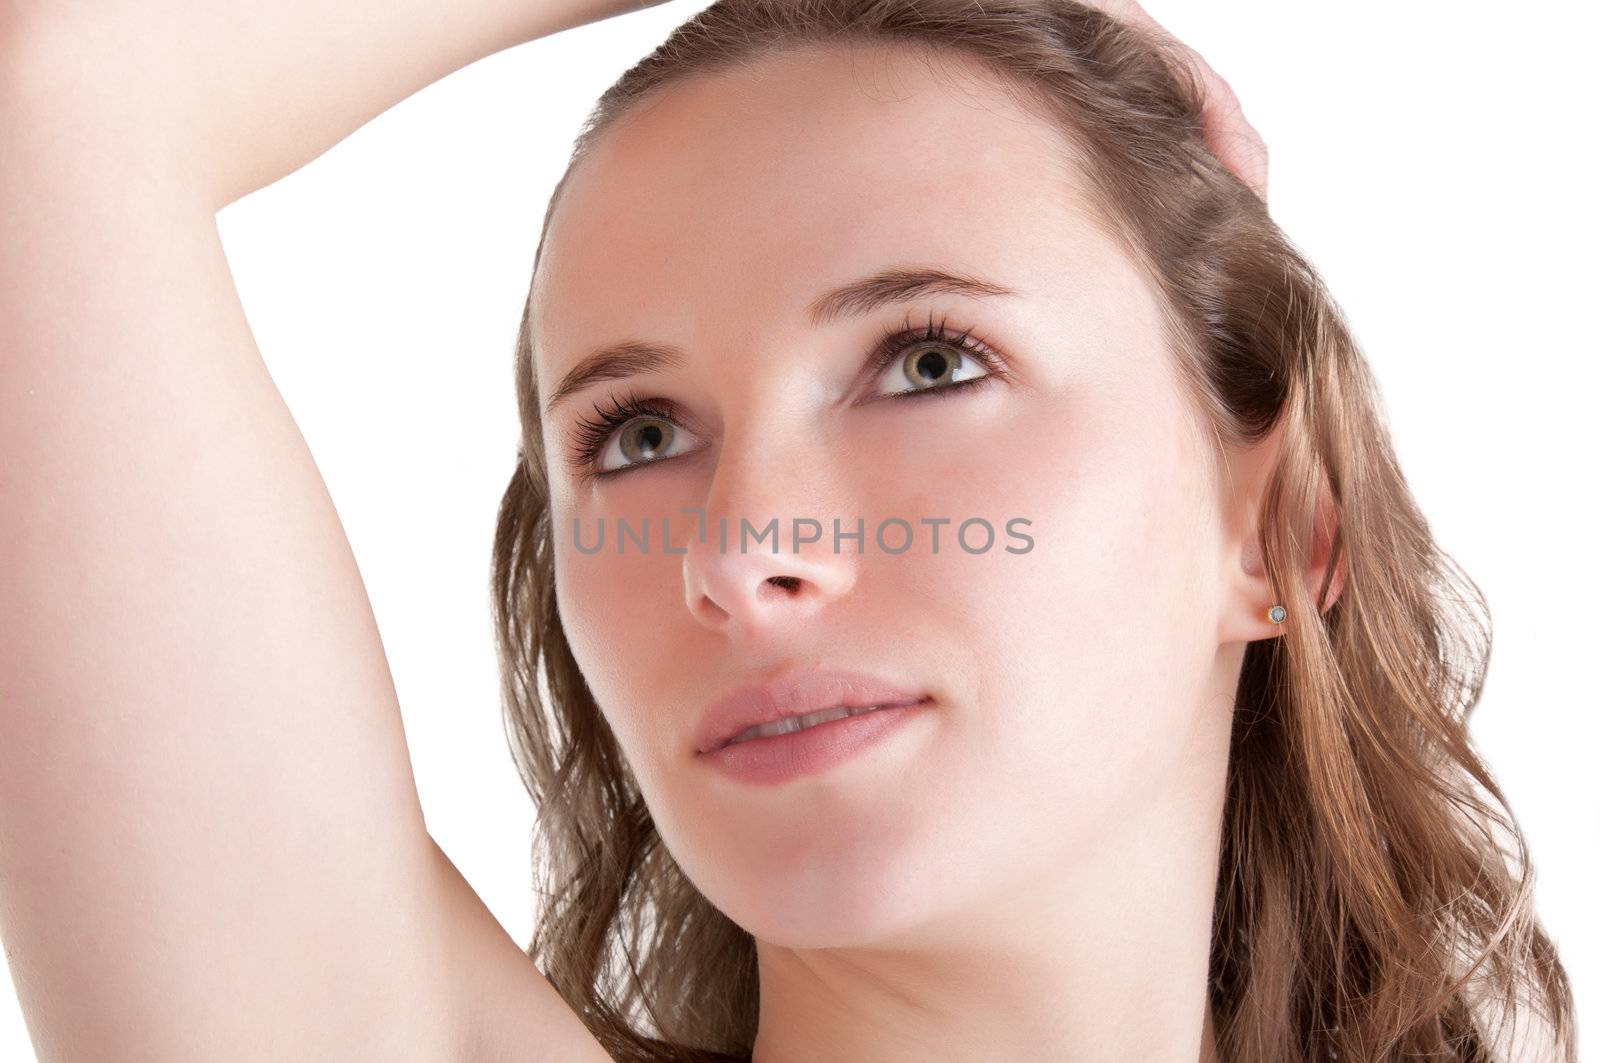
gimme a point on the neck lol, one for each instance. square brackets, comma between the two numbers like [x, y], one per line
[1108, 960]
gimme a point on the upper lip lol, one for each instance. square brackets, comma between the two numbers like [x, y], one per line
[795, 693]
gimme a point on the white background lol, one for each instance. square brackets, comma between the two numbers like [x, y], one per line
[1431, 160]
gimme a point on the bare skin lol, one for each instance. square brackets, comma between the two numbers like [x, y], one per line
[1027, 870]
[211, 844]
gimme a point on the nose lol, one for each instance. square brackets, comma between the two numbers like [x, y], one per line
[751, 592]
[761, 557]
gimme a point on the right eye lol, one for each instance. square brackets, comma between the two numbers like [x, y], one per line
[627, 434]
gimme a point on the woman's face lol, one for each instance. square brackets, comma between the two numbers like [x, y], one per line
[1079, 683]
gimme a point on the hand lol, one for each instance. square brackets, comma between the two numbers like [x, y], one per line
[1231, 136]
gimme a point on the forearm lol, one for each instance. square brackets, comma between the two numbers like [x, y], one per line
[245, 93]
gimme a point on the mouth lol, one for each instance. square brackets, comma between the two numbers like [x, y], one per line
[790, 724]
[797, 700]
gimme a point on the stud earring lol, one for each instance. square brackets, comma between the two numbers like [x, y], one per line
[1277, 614]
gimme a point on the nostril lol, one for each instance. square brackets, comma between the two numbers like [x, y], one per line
[788, 583]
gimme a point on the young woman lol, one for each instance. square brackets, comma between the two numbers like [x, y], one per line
[1153, 679]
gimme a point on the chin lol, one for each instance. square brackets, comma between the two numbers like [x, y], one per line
[827, 898]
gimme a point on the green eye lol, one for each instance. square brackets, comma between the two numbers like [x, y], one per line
[934, 365]
[648, 433]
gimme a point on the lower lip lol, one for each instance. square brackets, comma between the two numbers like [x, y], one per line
[778, 758]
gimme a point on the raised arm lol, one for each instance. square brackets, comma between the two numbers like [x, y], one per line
[211, 845]
[245, 93]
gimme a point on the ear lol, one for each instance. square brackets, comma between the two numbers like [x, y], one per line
[1247, 594]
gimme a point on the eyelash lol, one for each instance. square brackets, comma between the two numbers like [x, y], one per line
[590, 437]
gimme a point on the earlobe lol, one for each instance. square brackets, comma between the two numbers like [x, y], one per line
[1247, 614]
[1258, 613]
[1267, 614]
[1326, 538]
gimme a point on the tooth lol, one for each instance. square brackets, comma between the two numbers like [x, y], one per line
[790, 724]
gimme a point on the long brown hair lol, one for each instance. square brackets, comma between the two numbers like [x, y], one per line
[1375, 895]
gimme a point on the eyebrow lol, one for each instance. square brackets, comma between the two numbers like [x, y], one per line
[884, 288]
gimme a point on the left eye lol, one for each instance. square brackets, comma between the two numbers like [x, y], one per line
[643, 441]
[932, 365]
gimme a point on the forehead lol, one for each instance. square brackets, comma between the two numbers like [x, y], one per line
[721, 207]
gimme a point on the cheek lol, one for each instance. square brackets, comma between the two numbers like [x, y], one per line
[1088, 649]
[623, 616]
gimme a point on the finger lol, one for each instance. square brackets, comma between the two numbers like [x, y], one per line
[1237, 144]
[1240, 148]
[1232, 139]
